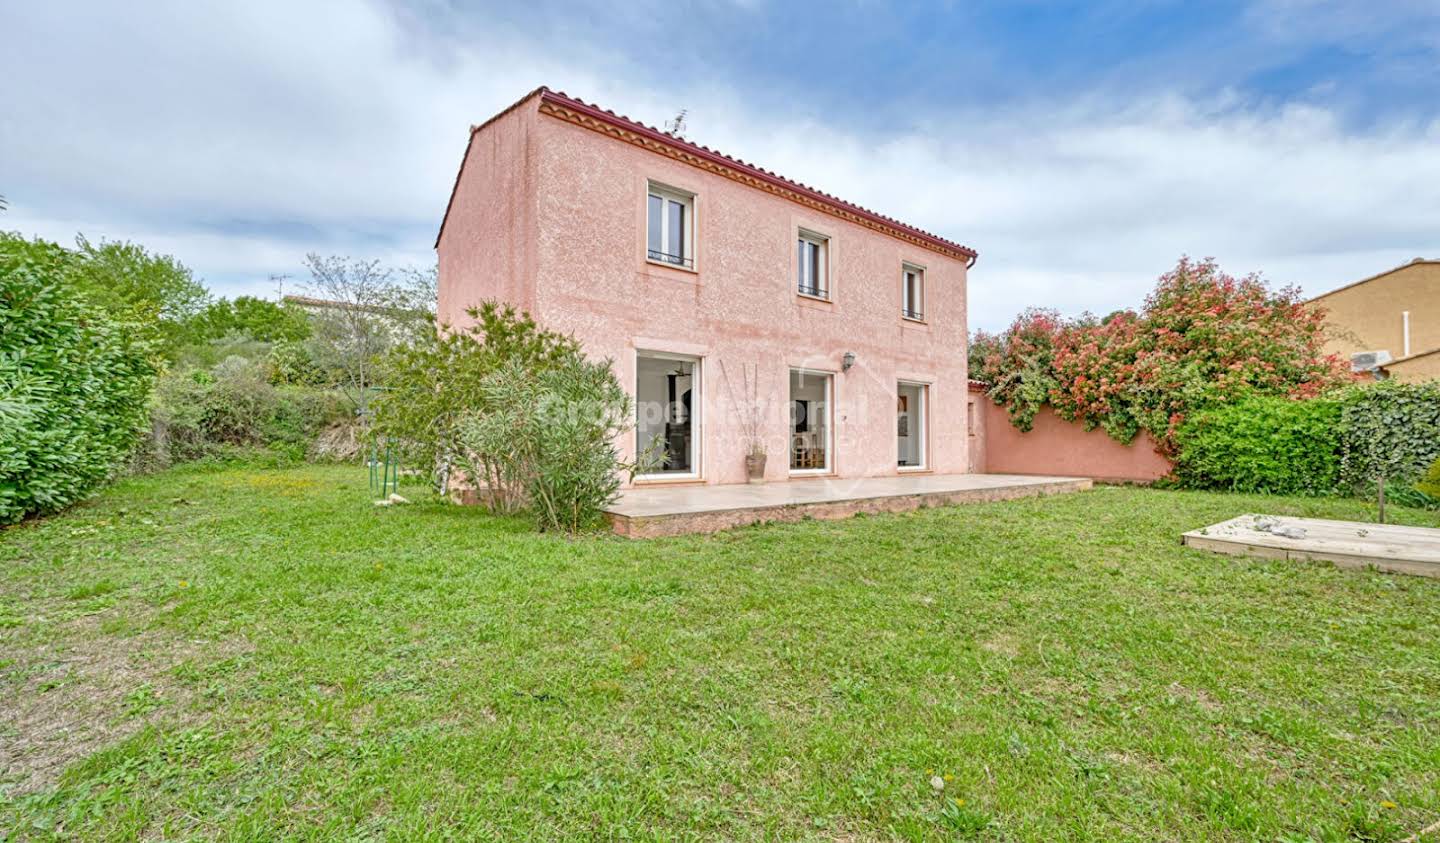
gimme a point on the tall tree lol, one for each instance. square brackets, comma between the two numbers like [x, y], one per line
[155, 291]
[365, 309]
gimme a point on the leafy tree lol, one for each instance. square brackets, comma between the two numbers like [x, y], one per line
[250, 318]
[74, 381]
[371, 310]
[157, 293]
[1388, 430]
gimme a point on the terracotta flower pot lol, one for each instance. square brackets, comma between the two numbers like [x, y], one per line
[755, 468]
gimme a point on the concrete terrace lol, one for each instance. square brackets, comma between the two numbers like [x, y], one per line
[649, 511]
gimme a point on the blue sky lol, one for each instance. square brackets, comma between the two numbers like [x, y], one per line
[1079, 146]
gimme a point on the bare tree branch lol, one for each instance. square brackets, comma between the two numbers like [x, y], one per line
[370, 309]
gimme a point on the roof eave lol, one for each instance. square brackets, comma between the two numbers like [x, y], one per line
[610, 118]
[1377, 276]
[470, 140]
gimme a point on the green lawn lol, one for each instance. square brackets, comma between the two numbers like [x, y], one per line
[248, 654]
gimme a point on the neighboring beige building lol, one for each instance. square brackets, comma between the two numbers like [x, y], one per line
[1396, 311]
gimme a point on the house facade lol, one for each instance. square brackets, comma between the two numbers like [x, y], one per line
[1396, 312]
[738, 307]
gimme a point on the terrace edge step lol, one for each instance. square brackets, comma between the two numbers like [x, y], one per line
[714, 520]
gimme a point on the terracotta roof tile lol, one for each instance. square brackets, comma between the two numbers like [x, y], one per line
[621, 121]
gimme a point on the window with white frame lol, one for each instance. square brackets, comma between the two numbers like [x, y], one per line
[812, 265]
[912, 292]
[670, 226]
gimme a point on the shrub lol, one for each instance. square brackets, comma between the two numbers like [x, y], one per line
[1018, 365]
[432, 385]
[232, 411]
[546, 439]
[1202, 339]
[73, 382]
[516, 410]
[1388, 428]
[1411, 496]
[291, 363]
[1429, 485]
[1262, 444]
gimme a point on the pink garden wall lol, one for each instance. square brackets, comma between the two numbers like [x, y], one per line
[1056, 447]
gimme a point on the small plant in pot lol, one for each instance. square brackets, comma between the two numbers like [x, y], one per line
[755, 462]
[749, 412]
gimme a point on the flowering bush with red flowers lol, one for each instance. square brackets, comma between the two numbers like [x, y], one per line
[1018, 365]
[1203, 338]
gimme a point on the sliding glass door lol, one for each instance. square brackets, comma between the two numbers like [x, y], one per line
[810, 439]
[910, 424]
[667, 407]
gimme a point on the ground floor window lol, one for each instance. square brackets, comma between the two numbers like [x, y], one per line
[810, 440]
[667, 405]
[910, 424]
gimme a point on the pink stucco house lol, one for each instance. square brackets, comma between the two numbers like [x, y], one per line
[735, 303]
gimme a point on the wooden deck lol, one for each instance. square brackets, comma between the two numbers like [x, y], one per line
[1348, 544]
[651, 511]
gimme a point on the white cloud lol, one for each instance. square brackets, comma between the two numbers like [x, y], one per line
[240, 137]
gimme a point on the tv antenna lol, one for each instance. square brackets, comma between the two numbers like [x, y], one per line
[676, 127]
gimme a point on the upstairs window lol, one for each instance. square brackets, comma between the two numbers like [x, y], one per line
[670, 230]
[912, 293]
[812, 265]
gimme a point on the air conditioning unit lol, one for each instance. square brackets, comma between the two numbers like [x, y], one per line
[1369, 361]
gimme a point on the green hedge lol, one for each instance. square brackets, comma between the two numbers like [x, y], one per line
[1391, 428]
[1341, 443]
[1263, 444]
[73, 382]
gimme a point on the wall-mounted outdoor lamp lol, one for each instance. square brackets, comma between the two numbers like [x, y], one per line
[847, 361]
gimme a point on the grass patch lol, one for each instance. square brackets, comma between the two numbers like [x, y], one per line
[275, 657]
